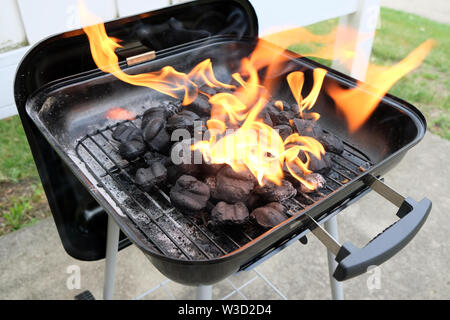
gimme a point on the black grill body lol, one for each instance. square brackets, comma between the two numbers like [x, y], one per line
[80, 169]
[81, 222]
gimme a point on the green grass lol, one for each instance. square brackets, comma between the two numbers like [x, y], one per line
[22, 198]
[323, 27]
[21, 204]
[428, 86]
[16, 161]
[8, 46]
[16, 217]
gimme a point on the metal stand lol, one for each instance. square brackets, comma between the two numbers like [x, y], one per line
[112, 247]
[337, 292]
[203, 293]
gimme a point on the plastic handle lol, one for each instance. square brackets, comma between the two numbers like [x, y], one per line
[354, 261]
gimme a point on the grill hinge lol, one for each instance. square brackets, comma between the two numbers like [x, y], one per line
[141, 58]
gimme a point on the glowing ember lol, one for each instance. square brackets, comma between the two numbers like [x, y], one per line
[120, 114]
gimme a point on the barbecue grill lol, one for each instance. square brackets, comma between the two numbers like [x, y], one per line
[62, 99]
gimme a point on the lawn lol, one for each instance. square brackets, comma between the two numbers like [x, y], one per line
[22, 200]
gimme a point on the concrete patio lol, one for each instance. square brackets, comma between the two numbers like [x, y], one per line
[34, 264]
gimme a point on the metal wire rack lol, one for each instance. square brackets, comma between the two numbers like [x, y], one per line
[163, 289]
[170, 232]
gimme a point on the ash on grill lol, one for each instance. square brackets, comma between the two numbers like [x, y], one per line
[216, 193]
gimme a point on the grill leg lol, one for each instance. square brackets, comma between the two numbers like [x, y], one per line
[337, 292]
[112, 247]
[204, 293]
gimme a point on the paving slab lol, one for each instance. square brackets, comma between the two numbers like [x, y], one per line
[438, 10]
[34, 265]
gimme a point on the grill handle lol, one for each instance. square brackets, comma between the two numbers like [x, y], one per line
[354, 261]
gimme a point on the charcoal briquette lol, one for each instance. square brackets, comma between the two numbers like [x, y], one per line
[200, 106]
[284, 131]
[245, 175]
[153, 113]
[269, 216]
[315, 178]
[225, 214]
[189, 194]
[294, 108]
[254, 201]
[321, 165]
[277, 115]
[276, 205]
[155, 174]
[173, 173]
[266, 118]
[183, 120]
[208, 90]
[211, 169]
[211, 182]
[172, 107]
[273, 112]
[153, 156]
[272, 192]
[132, 149]
[307, 128]
[189, 161]
[331, 143]
[156, 135]
[232, 186]
[124, 133]
[281, 105]
[226, 90]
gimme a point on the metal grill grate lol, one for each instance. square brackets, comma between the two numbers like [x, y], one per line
[169, 231]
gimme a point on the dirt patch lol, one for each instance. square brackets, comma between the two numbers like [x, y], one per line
[22, 203]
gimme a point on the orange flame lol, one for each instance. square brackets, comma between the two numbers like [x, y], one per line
[323, 45]
[167, 80]
[254, 145]
[358, 104]
[296, 81]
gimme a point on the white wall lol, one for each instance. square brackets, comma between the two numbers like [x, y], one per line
[43, 18]
[274, 15]
[8, 65]
[11, 28]
[128, 8]
[30, 21]
[38, 19]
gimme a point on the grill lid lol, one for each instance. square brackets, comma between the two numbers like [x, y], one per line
[81, 225]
